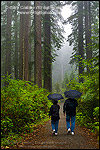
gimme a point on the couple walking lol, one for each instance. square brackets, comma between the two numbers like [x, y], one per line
[69, 108]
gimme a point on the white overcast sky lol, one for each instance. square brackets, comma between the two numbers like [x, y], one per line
[66, 12]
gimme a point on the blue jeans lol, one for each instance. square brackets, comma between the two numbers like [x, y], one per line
[54, 125]
[72, 122]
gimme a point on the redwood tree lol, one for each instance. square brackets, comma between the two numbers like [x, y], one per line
[24, 40]
[47, 50]
[88, 30]
[22, 16]
[80, 37]
[37, 46]
[16, 46]
[8, 40]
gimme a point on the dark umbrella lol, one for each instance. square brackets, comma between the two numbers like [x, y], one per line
[55, 96]
[72, 94]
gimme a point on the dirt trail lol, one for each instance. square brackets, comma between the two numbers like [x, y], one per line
[45, 140]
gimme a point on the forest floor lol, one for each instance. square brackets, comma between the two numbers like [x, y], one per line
[42, 137]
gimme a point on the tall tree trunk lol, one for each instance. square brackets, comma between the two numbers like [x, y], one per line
[90, 26]
[80, 37]
[90, 49]
[37, 46]
[24, 40]
[8, 40]
[16, 47]
[21, 57]
[47, 51]
[88, 30]
[29, 52]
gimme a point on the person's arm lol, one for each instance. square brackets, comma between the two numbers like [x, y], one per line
[50, 112]
[59, 107]
[64, 109]
[76, 103]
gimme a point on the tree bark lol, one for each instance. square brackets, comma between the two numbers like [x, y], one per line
[8, 40]
[37, 46]
[90, 48]
[21, 57]
[88, 30]
[29, 52]
[47, 51]
[24, 40]
[80, 37]
[16, 47]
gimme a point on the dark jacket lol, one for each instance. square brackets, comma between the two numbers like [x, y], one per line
[54, 112]
[70, 107]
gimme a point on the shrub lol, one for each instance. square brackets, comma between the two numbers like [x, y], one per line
[95, 127]
[22, 104]
[88, 103]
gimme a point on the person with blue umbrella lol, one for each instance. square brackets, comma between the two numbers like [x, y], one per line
[70, 108]
[54, 111]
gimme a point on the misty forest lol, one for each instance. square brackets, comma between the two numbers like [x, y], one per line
[37, 59]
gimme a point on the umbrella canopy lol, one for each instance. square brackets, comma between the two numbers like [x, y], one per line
[72, 94]
[55, 96]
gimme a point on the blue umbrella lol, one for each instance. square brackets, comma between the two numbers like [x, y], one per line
[55, 96]
[72, 94]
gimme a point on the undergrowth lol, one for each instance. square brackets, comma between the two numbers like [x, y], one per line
[23, 105]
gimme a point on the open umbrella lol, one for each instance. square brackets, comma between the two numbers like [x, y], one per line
[55, 96]
[72, 94]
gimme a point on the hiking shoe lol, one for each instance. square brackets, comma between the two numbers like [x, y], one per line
[56, 133]
[68, 131]
[53, 132]
[72, 133]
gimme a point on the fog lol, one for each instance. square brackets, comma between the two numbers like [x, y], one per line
[61, 65]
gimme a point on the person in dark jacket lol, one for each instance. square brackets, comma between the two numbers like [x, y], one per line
[54, 113]
[70, 108]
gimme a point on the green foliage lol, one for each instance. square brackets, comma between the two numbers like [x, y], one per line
[73, 37]
[57, 88]
[96, 113]
[11, 139]
[80, 119]
[22, 105]
[88, 109]
[67, 79]
[96, 118]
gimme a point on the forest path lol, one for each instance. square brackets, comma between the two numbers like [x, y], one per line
[43, 138]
